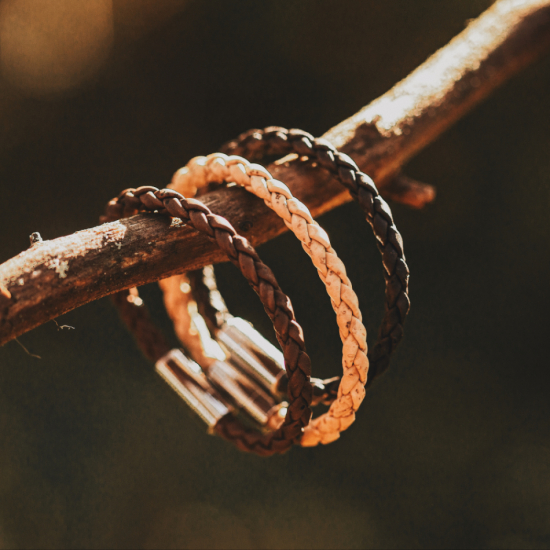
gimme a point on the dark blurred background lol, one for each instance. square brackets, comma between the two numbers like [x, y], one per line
[451, 447]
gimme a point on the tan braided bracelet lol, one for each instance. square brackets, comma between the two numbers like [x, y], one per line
[219, 168]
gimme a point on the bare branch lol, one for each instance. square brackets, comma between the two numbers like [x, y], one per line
[54, 277]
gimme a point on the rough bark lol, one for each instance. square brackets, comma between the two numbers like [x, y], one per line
[56, 276]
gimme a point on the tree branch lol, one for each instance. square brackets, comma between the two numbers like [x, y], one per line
[54, 277]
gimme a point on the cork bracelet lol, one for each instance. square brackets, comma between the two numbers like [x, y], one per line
[256, 144]
[261, 279]
[219, 168]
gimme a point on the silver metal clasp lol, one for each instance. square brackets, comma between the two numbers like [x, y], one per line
[247, 394]
[192, 385]
[252, 353]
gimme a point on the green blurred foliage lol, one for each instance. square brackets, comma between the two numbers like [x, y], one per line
[451, 448]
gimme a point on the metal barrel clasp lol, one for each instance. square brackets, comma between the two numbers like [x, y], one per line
[252, 353]
[192, 385]
[247, 394]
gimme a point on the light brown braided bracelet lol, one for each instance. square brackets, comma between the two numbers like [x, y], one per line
[219, 168]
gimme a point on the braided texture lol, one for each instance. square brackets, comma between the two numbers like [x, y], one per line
[276, 303]
[219, 168]
[274, 140]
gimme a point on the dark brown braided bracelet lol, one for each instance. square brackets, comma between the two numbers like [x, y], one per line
[277, 306]
[274, 140]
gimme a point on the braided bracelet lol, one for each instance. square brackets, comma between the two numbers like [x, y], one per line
[255, 144]
[219, 168]
[184, 375]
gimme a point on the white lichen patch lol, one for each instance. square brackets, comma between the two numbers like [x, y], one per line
[60, 267]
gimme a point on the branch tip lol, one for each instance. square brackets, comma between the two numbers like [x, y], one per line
[408, 191]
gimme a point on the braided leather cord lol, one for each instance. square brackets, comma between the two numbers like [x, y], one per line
[277, 305]
[219, 168]
[274, 140]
